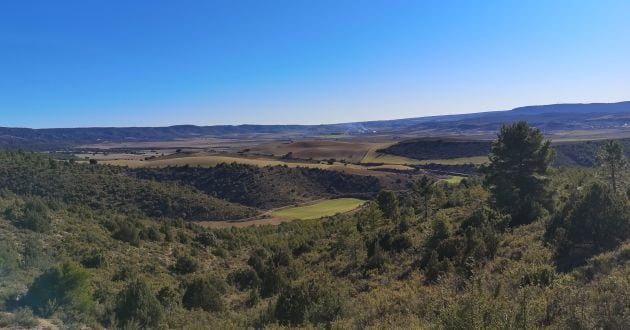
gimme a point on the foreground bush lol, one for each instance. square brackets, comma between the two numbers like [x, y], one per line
[138, 305]
[66, 286]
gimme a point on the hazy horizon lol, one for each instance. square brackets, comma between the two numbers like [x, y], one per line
[122, 64]
[314, 124]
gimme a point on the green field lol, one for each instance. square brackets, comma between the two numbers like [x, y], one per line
[320, 209]
[454, 179]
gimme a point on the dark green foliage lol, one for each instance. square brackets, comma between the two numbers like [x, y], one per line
[517, 173]
[267, 187]
[438, 149]
[244, 279]
[186, 264]
[128, 233]
[541, 276]
[100, 187]
[273, 280]
[169, 298]
[61, 286]
[595, 221]
[36, 216]
[310, 302]
[388, 203]
[435, 268]
[206, 239]
[33, 254]
[9, 258]
[423, 190]
[203, 294]
[612, 162]
[95, 259]
[137, 304]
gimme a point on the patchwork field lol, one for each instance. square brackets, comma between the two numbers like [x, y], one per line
[214, 160]
[316, 149]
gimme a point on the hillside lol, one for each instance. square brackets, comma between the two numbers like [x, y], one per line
[266, 187]
[451, 267]
[101, 187]
[555, 118]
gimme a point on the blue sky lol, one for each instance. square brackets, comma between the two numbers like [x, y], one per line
[154, 63]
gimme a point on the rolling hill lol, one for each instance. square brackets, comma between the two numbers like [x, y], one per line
[550, 118]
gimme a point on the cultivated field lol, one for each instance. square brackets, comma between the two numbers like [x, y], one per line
[314, 210]
[316, 149]
[213, 160]
[319, 209]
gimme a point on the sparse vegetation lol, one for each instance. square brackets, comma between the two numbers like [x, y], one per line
[78, 247]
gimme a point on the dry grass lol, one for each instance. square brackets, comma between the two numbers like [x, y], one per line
[317, 149]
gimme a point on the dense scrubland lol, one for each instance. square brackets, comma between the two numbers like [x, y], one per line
[521, 245]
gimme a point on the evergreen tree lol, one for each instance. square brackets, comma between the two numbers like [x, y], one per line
[517, 173]
[388, 203]
[64, 286]
[138, 304]
[201, 293]
[596, 222]
[612, 162]
[424, 190]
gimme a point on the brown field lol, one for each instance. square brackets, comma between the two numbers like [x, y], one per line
[213, 160]
[316, 149]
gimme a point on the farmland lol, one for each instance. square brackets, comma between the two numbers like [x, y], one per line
[319, 209]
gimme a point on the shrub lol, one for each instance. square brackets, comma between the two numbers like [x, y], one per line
[308, 302]
[36, 217]
[244, 279]
[65, 286]
[96, 259]
[21, 318]
[137, 303]
[597, 222]
[200, 293]
[185, 265]
[128, 233]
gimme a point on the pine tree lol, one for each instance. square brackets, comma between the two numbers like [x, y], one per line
[517, 173]
[612, 162]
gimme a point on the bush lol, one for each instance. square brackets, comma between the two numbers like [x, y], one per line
[128, 233]
[64, 286]
[137, 303]
[596, 223]
[21, 318]
[185, 265]
[96, 259]
[308, 302]
[36, 217]
[244, 279]
[201, 293]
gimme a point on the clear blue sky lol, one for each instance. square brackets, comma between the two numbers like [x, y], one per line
[153, 63]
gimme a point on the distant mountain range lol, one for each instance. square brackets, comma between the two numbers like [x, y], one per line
[551, 119]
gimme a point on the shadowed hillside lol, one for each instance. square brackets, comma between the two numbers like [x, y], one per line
[265, 187]
[100, 187]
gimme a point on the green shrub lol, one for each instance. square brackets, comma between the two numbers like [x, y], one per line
[596, 222]
[201, 293]
[36, 217]
[128, 233]
[137, 303]
[66, 286]
[308, 302]
[244, 279]
[185, 265]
